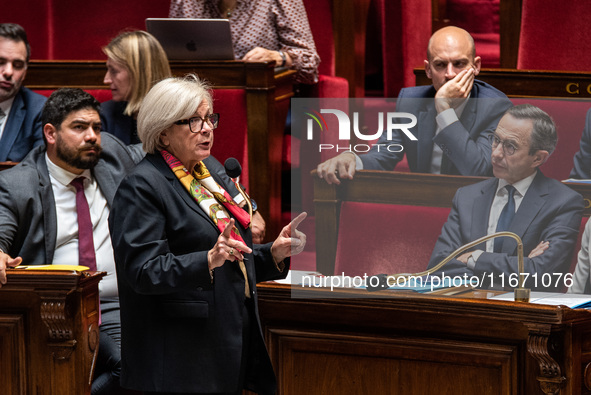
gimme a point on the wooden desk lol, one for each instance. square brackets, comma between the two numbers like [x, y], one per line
[351, 342]
[48, 332]
[531, 83]
[417, 189]
[267, 102]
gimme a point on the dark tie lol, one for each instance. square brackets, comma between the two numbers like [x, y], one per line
[86, 253]
[2, 116]
[506, 217]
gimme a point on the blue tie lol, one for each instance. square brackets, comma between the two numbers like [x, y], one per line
[506, 217]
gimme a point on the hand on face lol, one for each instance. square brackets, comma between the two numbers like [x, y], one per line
[455, 91]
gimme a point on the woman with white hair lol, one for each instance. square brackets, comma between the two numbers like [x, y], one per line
[186, 265]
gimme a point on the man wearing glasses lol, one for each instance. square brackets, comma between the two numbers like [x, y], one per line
[545, 213]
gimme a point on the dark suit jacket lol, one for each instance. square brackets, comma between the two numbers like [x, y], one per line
[23, 130]
[28, 223]
[181, 332]
[466, 150]
[549, 211]
[115, 122]
[582, 159]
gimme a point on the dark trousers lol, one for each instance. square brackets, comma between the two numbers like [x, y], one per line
[108, 362]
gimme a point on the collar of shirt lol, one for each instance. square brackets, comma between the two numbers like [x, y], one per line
[520, 186]
[63, 176]
[499, 201]
[6, 105]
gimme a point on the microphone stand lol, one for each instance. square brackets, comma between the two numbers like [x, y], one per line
[236, 182]
[521, 294]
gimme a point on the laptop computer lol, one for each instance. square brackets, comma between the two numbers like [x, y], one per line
[193, 39]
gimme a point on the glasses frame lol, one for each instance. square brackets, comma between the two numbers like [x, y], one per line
[508, 148]
[208, 119]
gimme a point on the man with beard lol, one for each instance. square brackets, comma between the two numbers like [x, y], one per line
[20, 108]
[39, 202]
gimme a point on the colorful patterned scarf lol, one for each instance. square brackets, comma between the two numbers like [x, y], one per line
[212, 199]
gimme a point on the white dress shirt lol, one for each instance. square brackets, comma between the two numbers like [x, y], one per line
[66, 245]
[499, 201]
[5, 106]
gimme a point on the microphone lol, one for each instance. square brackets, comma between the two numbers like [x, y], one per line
[234, 170]
[521, 294]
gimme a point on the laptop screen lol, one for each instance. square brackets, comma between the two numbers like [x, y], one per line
[193, 39]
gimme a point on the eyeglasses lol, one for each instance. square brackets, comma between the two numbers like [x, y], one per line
[508, 147]
[196, 123]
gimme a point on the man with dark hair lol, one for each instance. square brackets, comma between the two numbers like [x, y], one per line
[454, 116]
[20, 108]
[542, 211]
[40, 221]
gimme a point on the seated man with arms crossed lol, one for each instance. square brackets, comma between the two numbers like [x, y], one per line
[39, 220]
[454, 116]
[545, 213]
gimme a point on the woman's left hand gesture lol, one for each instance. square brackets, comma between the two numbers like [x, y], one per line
[290, 241]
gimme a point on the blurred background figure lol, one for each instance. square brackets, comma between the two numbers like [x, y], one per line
[136, 61]
[262, 30]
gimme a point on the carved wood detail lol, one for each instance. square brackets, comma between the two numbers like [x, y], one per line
[55, 316]
[551, 379]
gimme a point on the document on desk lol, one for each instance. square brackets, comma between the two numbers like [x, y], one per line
[574, 301]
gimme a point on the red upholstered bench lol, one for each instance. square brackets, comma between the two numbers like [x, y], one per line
[102, 95]
[386, 238]
[569, 116]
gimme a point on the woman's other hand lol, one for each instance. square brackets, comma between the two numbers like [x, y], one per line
[290, 241]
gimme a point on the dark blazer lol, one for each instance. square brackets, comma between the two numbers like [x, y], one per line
[466, 150]
[28, 223]
[116, 123]
[181, 332]
[582, 159]
[23, 130]
[549, 211]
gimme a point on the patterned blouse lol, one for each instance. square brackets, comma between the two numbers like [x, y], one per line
[271, 24]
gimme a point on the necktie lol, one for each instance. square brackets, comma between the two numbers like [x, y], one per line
[2, 116]
[506, 217]
[86, 253]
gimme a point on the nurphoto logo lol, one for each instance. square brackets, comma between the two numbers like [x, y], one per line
[402, 121]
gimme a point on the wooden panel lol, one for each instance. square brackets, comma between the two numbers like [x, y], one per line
[531, 83]
[351, 341]
[13, 358]
[48, 331]
[359, 364]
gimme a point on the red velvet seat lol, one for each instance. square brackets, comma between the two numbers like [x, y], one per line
[404, 28]
[54, 30]
[554, 35]
[382, 238]
[569, 117]
[231, 137]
